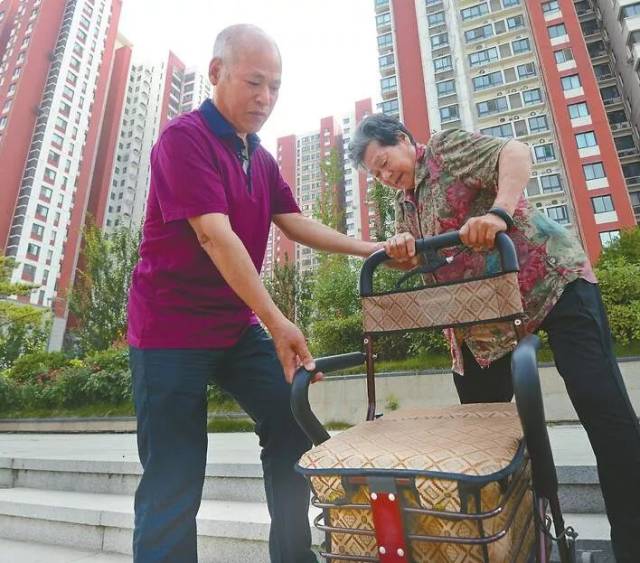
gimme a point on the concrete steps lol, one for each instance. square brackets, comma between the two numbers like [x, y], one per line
[76, 492]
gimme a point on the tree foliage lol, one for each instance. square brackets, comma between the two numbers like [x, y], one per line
[381, 200]
[328, 207]
[23, 327]
[98, 301]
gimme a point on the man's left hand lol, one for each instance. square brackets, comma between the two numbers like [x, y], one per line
[480, 233]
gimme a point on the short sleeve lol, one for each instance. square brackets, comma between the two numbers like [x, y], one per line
[471, 157]
[186, 181]
[282, 200]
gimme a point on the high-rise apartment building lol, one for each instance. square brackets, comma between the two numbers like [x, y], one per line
[618, 26]
[511, 68]
[155, 93]
[299, 158]
[56, 60]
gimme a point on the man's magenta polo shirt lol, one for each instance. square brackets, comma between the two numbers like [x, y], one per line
[178, 299]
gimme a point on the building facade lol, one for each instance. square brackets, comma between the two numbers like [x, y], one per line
[511, 68]
[56, 60]
[300, 159]
[155, 94]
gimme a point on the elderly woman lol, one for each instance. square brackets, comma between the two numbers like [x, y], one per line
[474, 183]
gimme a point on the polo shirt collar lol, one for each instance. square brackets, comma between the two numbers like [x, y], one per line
[220, 127]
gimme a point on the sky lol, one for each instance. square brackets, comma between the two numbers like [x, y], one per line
[328, 48]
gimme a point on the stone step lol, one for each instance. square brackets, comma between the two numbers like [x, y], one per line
[227, 531]
[238, 482]
[12, 551]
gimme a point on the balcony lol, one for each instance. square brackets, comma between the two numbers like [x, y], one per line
[611, 100]
[632, 181]
[381, 6]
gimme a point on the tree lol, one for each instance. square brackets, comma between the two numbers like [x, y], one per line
[618, 272]
[98, 301]
[627, 247]
[328, 207]
[381, 199]
[23, 328]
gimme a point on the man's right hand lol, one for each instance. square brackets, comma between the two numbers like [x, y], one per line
[291, 348]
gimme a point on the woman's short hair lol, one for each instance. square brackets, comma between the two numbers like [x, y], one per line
[377, 127]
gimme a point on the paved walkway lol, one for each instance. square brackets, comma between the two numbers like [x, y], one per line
[569, 443]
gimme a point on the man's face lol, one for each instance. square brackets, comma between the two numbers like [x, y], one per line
[247, 87]
[393, 165]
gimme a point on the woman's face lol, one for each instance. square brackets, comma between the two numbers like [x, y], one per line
[393, 165]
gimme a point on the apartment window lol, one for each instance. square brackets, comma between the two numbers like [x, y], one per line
[483, 57]
[509, 3]
[440, 40]
[492, 106]
[545, 153]
[61, 124]
[388, 84]
[563, 55]
[446, 88]
[585, 140]
[28, 272]
[33, 250]
[53, 158]
[515, 22]
[442, 64]
[383, 19]
[82, 36]
[488, 80]
[482, 32]
[42, 211]
[556, 30]
[570, 82]
[559, 213]
[37, 231]
[435, 19]
[49, 175]
[578, 110]
[3, 122]
[602, 204]
[504, 130]
[526, 70]
[609, 237]
[77, 49]
[390, 106]
[531, 97]
[521, 46]
[474, 11]
[449, 113]
[593, 171]
[67, 92]
[539, 123]
[385, 40]
[46, 193]
[386, 61]
[551, 183]
[550, 7]
[630, 10]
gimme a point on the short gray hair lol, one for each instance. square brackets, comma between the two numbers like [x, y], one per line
[377, 127]
[230, 38]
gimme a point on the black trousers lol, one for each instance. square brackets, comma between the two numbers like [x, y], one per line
[580, 340]
[170, 396]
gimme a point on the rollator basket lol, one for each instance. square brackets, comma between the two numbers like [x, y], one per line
[464, 483]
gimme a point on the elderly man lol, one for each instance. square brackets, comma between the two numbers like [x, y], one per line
[196, 298]
[475, 184]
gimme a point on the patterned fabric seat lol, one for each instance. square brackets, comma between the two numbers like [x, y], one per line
[464, 466]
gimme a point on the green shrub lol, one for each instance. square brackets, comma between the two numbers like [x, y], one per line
[113, 359]
[336, 336]
[108, 386]
[9, 396]
[37, 366]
